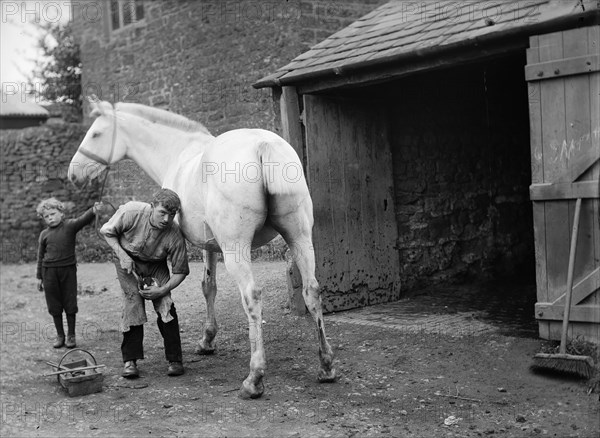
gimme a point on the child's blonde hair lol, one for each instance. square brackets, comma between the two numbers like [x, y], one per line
[49, 204]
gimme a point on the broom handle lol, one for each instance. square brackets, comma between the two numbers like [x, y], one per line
[565, 325]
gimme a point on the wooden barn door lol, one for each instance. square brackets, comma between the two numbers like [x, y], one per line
[564, 85]
[349, 170]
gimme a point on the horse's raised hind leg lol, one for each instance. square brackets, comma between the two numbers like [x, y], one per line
[209, 289]
[302, 251]
[238, 265]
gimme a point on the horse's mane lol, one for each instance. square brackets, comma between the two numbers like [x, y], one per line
[162, 117]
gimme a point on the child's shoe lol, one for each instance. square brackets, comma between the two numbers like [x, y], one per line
[70, 341]
[60, 341]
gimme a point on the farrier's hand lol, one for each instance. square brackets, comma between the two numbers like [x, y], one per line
[41, 286]
[153, 292]
[126, 263]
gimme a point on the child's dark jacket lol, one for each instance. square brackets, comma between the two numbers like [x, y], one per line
[56, 246]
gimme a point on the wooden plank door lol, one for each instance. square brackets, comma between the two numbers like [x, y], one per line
[349, 170]
[563, 76]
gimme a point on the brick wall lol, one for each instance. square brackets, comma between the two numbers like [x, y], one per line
[462, 172]
[34, 164]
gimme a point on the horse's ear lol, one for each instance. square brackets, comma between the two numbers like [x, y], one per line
[95, 113]
[97, 109]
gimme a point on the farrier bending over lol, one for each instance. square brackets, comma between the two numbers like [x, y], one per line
[143, 236]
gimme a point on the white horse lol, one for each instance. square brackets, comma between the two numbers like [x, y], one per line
[237, 190]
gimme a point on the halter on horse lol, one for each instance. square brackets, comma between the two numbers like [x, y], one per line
[96, 158]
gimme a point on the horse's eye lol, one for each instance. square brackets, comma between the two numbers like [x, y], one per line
[95, 134]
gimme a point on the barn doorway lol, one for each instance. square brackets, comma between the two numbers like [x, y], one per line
[460, 145]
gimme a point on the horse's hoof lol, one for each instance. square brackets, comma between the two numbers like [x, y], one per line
[327, 376]
[248, 391]
[204, 351]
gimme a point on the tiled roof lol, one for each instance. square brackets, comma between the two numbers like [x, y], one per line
[18, 105]
[399, 28]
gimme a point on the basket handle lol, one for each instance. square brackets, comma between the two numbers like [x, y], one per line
[76, 349]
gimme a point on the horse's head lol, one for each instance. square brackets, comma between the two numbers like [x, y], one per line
[101, 145]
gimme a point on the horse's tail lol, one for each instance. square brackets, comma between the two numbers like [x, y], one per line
[281, 167]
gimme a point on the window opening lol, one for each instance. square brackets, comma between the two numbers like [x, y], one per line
[125, 12]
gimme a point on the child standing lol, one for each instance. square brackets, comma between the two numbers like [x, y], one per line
[56, 264]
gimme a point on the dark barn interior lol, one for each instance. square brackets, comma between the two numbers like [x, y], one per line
[460, 145]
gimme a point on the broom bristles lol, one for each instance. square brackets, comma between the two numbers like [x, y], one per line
[582, 366]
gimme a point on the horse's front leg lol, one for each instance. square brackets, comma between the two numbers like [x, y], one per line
[239, 268]
[209, 289]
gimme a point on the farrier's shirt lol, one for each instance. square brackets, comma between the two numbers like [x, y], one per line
[142, 241]
[56, 246]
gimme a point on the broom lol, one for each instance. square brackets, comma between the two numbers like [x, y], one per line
[563, 363]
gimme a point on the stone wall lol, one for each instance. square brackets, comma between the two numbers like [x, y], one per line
[462, 173]
[200, 58]
[34, 164]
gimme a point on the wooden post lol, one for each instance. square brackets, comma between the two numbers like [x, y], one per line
[292, 133]
[291, 124]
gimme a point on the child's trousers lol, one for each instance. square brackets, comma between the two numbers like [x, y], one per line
[60, 288]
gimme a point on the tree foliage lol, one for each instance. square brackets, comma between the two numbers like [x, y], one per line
[59, 71]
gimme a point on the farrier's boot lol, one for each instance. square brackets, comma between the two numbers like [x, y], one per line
[130, 370]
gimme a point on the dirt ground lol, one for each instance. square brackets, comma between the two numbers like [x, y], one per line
[391, 383]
